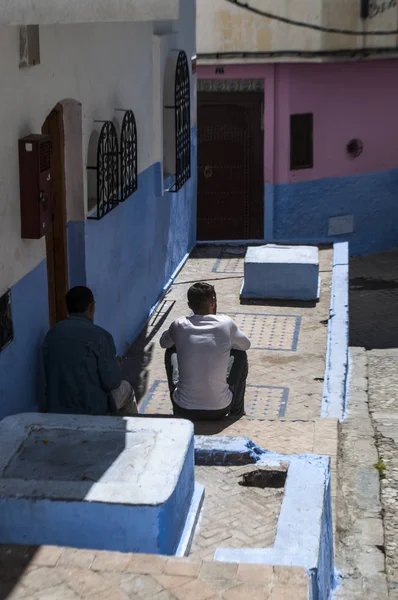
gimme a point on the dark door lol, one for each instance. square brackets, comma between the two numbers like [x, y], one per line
[56, 243]
[230, 166]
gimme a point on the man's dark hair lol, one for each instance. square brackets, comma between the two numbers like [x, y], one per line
[199, 296]
[78, 299]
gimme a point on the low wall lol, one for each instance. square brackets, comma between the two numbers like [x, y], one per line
[337, 358]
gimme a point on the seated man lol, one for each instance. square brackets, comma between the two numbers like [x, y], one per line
[83, 374]
[206, 360]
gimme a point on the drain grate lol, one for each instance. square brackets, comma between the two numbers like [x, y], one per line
[262, 479]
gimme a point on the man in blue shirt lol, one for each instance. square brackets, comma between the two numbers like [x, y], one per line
[83, 374]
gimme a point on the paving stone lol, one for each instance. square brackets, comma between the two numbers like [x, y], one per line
[111, 561]
[59, 592]
[194, 590]
[146, 564]
[42, 578]
[289, 592]
[47, 556]
[182, 567]
[290, 576]
[256, 573]
[140, 586]
[86, 583]
[218, 570]
[79, 559]
[171, 581]
[165, 595]
[222, 585]
[247, 591]
[113, 593]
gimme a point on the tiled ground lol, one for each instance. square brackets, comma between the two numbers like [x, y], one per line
[260, 401]
[50, 573]
[234, 516]
[288, 342]
[269, 332]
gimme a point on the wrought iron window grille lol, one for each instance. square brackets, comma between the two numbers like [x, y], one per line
[128, 156]
[182, 108]
[107, 170]
[6, 328]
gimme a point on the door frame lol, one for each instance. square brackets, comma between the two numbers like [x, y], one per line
[56, 239]
[256, 210]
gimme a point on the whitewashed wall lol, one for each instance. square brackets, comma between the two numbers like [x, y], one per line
[222, 27]
[101, 66]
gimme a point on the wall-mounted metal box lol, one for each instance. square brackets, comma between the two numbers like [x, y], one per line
[35, 186]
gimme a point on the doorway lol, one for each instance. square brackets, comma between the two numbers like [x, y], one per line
[56, 239]
[230, 166]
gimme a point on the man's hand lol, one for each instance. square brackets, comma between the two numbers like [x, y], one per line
[120, 360]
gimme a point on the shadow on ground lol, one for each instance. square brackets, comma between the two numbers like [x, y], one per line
[14, 560]
[139, 355]
[374, 300]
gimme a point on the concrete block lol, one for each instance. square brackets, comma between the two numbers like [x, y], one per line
[105, 483]
[281, 273]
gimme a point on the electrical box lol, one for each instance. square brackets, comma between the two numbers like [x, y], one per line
[35, 186]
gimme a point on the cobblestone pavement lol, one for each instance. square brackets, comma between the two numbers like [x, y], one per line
[360, 535]
[383, 404]
[234, 516]
[374, 325]
[287, 358]
[51, 573]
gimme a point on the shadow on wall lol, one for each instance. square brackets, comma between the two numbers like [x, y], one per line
[374, 300]
[139, 354]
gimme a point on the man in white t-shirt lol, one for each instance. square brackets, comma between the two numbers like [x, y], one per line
[206, 360]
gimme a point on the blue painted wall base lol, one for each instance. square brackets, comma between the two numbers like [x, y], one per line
[300, 212]
[21, 369]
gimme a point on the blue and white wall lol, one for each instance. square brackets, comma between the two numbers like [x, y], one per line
[129, 255]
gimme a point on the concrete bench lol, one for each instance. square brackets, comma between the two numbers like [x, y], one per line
[105, 483]
[281, 273]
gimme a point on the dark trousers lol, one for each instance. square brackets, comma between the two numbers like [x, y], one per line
[236, 375]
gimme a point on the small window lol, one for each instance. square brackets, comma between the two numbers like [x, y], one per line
[301, 143]
[6, 330]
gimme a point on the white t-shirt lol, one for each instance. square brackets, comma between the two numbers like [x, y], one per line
[203, 348]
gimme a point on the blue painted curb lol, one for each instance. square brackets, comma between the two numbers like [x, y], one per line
[334, 394]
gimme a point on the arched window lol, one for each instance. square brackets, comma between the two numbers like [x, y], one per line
[128, 156]
[177, 122]
[107, 168]
[182, 122]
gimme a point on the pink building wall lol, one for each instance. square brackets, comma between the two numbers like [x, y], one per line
[349, 100]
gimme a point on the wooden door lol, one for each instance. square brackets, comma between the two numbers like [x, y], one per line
[230, 166]
[56, 240]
